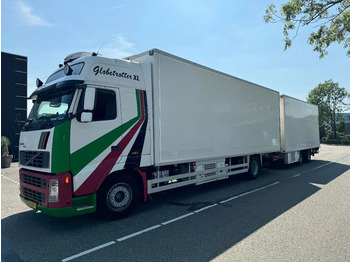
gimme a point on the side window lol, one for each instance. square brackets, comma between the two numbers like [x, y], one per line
[105, 105]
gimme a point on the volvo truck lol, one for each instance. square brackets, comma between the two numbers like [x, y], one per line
[105, 133]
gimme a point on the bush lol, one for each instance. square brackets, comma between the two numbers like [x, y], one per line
[5, 142]
[344, 141]
[347, 138]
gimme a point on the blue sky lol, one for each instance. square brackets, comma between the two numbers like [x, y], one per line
[229, 36]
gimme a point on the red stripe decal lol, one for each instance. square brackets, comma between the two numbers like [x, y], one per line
[43, 141]
[93, 182]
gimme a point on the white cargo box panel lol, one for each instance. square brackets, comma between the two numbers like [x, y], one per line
[200, 113]
[299, 125]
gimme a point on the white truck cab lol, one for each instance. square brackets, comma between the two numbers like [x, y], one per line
[89, 119]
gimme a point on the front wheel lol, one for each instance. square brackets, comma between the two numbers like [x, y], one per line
[254, 167]
[117, 197]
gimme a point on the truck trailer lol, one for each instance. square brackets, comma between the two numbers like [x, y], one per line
[299, 130]
[105, 133]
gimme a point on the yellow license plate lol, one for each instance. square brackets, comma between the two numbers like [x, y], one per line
[31, 204]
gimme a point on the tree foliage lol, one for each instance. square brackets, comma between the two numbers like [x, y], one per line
[341, 125]
[330, 18]
[331, 100]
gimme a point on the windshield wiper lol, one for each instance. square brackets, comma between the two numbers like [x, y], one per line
[45, 116]
[47, 122]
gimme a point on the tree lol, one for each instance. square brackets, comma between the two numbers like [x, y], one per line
[331, 18]
[331, 100]
[341, 125]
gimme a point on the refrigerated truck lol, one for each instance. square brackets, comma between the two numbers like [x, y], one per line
[299, 130]
[105, 133]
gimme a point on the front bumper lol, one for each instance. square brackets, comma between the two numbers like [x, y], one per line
[80, 206]
[35, 193]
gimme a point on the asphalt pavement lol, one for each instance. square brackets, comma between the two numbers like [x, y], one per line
[296, 213]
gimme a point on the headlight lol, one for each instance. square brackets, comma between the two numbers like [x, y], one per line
[53, 190]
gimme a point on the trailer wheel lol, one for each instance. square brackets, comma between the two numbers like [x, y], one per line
[117, 197]
[307, 156]
[254, 167]
[301, 158]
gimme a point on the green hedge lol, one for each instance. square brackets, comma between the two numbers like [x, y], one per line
[336, 142]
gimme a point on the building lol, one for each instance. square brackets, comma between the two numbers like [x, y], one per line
[13, 98]
[346, 118]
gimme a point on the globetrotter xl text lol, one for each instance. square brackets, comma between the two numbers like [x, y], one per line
[100, 70]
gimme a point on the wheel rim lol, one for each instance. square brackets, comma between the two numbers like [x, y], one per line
[119, 197]
[254, 168]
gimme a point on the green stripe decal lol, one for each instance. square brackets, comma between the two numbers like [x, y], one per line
[41, 139]
[60, 148]
[83, 156]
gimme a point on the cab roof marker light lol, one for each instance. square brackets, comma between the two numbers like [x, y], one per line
[68, 70]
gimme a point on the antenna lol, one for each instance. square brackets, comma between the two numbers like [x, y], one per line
[100, 48]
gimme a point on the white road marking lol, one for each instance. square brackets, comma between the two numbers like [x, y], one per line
[163, 224]
[88, 251]
[205, 208]
[318, 185]
[341, 158]
[326, 164]
[138, 233]
[9, 179]
[249, 192]
[177, 218]
[318, 167]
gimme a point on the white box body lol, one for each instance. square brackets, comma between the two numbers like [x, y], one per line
[299, 125]
[200, 113]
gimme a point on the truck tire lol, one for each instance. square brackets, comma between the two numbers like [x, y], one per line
[306, 156]
[254, 167]
[117, 197]
[301, 158]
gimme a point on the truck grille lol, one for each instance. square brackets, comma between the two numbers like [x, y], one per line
[31, 194]
[34, 181]
[34, 158]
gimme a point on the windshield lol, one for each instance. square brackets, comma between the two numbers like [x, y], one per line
[49, 109]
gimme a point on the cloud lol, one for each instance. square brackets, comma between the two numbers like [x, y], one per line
[29, 18]
[113, 8]
[117, 47]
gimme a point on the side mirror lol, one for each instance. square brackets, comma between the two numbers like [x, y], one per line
[89, 99]
[86, 117]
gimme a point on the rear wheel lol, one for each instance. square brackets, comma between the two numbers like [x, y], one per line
[301, 157]
[254, 167]
[117, 197]
[307, 156]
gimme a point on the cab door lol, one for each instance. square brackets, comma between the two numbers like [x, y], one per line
[92, 142]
